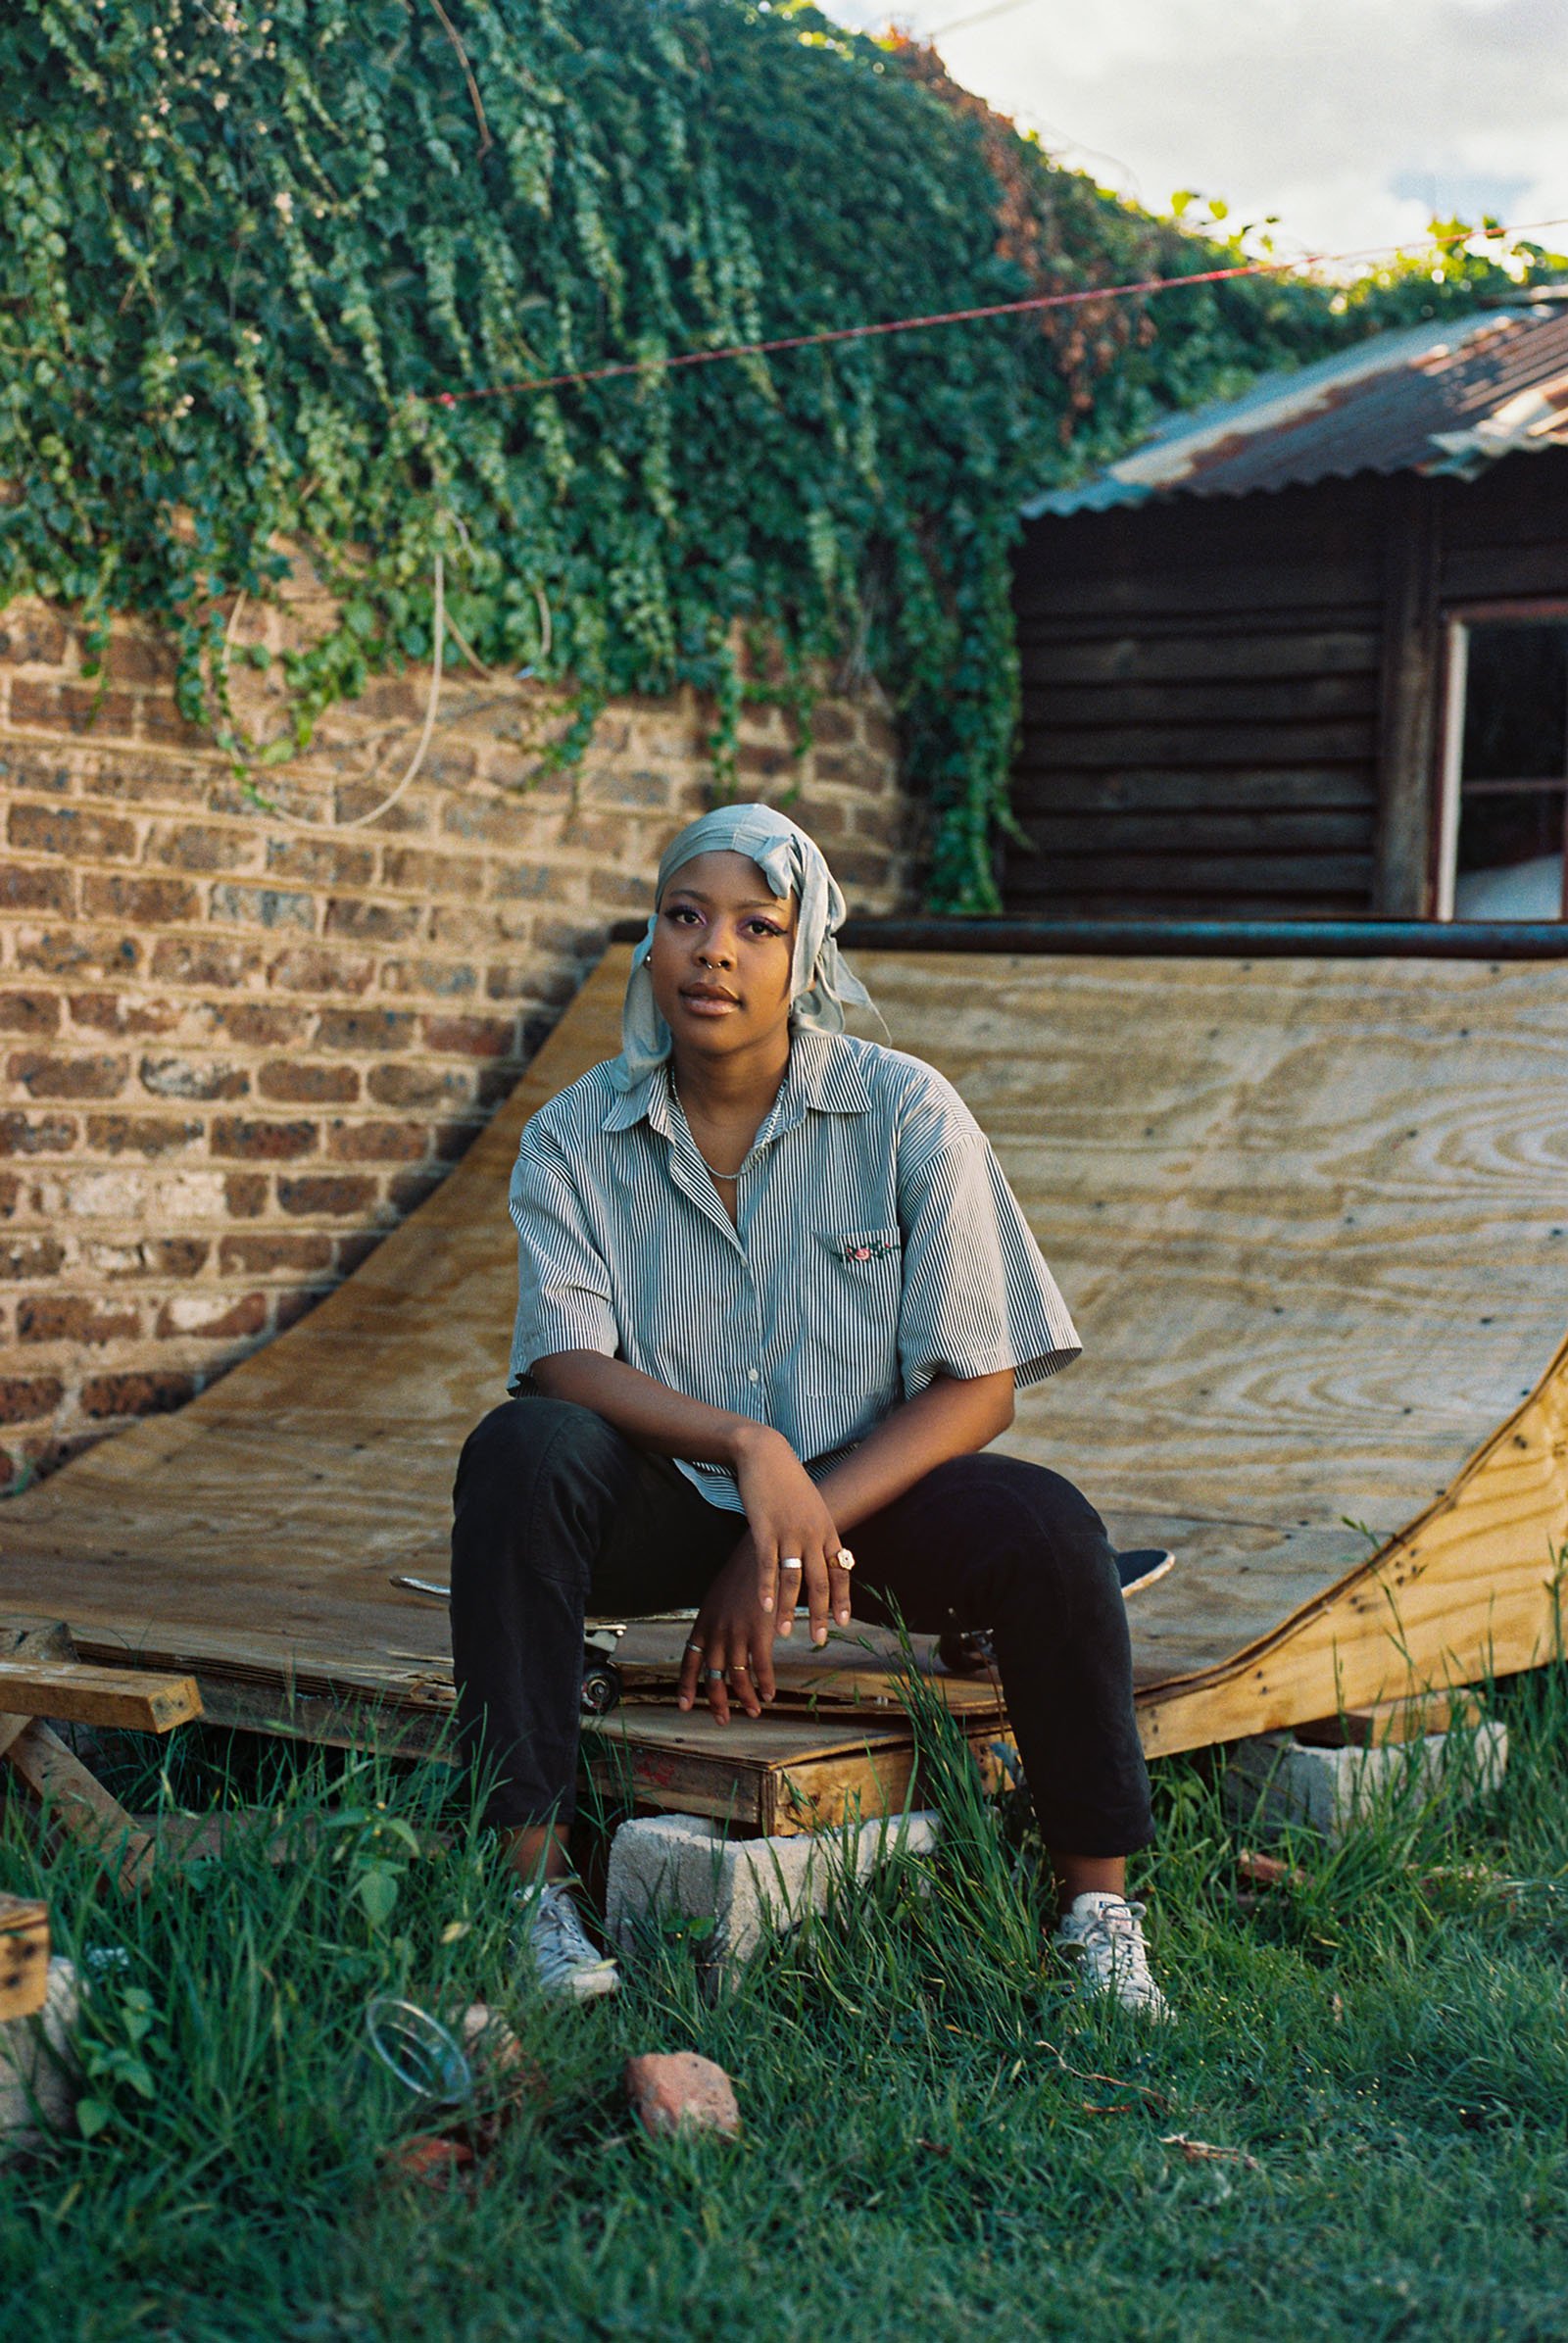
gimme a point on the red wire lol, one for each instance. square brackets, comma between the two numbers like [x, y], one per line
[953, 317]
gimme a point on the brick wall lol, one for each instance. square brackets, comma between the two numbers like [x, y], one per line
[237, 1052]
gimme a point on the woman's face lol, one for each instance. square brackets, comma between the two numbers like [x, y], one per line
[722, 954]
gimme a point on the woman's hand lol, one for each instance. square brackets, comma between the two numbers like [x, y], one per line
[793, 1534]
[790, 1541]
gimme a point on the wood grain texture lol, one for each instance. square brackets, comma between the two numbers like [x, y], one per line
[1312, 1217]
[78, 1801]
[24, 1956]
[82, 1694]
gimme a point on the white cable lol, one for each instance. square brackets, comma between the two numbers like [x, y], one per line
[357, 822]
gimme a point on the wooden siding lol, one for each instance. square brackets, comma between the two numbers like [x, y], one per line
[1208, 690]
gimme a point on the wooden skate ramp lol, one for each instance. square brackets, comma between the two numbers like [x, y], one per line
[1311, 1215]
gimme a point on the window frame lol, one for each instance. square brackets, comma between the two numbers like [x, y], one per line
[1459, 619]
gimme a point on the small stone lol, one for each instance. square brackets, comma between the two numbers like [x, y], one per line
[675, 2088]
[430, 2159]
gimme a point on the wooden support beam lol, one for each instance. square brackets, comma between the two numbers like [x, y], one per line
[37, 1640]
[1403, 886]
[134, 1699]
[1378, 1723]
[80, 1803]
[24, 1956]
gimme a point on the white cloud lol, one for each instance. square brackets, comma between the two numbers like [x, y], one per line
[1350, 118]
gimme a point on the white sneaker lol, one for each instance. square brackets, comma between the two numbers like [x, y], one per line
[1105, 1933]
[553, 1943]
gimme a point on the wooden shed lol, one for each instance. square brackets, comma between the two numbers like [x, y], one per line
[1304, 654]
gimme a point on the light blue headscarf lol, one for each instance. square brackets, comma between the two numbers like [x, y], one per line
[792, 863]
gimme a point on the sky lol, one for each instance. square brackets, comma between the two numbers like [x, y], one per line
[1352, 120]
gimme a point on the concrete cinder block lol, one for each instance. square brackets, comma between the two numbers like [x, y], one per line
[38, 2079]
[683, 1864]
[1272, 1780]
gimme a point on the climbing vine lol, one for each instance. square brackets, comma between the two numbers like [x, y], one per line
[260, 252]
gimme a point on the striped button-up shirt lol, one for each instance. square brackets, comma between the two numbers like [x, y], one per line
[877, 1245]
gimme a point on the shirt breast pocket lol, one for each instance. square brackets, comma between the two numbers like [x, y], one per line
[855, 1309]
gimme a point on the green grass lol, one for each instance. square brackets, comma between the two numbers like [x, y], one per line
[932, 2149]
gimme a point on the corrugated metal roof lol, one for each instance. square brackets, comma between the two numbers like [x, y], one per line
[1443, 398]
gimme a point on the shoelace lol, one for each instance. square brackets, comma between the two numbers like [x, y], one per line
[1113, 1941]
[561, 1943]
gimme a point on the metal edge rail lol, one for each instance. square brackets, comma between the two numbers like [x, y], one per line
[1207, 939]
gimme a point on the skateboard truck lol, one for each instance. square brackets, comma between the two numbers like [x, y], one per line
[599, 1690]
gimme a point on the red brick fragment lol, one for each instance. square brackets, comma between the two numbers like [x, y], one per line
[670, 2091]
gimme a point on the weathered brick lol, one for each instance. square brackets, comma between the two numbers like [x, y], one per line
[10, 1195]
[135, 1394]
[75, 952]
[611, 891]
[372, 922]
[79, 831]
[451, 1142]
[265, 1255]
[311, 969]
[376, 1143]
[648, 789]
[25, 1398]
[341, 1196]
[451, 979]
[122, 1012]
[73, 707]
[199, 845]
[148, 1256]
[470, 1036]
[349, 1251]
[27, 887]
[361, 797]
[45, 1074]
[426, 874]
[289, 1308]
[320, 862]
[215, 1318]
[408, 1192]
[141, 1134]
[300, 1083]
[194, 1078]
[193, 961]
[245, 1195]
[140, 655]
[254, 1139]
[264, 907]
[261, 1024]
[162, 722]
[31, 1256]
[831, 726]
[421, 1085]
[32, 636]
[76, 1318]
[367, 1031]
[148, 903]
[29, 1012]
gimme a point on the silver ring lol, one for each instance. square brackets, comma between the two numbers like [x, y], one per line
[792, 1562]
[715, 1675]
[844, 1558]
[693, 1645]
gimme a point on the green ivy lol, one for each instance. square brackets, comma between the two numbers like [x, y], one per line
[252, 245]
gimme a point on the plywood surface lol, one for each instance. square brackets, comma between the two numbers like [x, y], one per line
[1312, 1217]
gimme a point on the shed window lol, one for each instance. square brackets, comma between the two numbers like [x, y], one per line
[1511, 831]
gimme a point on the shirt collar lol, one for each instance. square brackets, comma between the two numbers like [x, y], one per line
[824, 1075]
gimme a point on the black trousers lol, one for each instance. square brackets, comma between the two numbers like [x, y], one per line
[554, 1512]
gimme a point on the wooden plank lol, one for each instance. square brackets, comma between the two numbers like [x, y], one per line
[1404, 884]
[1049, 658]
[1295, 700]
[135, 1700]
[1089, 749]
[1192, 872]
[80, 1803]
[36, 1639]
[1328, 589]
[1257, 789]
[1113, 835]
[24, 1956]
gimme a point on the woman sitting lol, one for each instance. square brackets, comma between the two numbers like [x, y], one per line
[775, 1292]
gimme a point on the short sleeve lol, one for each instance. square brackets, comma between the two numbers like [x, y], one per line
[976, 1293]
[564, 1291]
